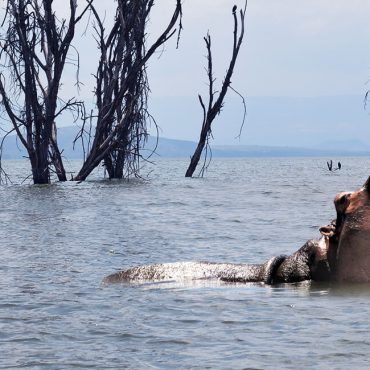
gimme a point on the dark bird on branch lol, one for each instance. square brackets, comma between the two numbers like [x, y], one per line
[234, 9]
[330, 165]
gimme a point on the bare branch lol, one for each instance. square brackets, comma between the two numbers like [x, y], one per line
[244, 113]
[215, 105]
[122, 88]
[35, 47]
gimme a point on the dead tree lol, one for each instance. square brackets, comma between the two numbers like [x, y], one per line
[34, 49]
[215, 103]
[122, 88]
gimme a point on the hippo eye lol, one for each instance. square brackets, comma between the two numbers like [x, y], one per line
[342, 200]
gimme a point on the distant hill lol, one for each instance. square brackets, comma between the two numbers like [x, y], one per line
[167, 148]
[276, 151]
[301, 122]
[181, 148]
[350, 145]
[13, 148]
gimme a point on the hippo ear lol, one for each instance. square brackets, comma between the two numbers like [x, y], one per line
[367, 185]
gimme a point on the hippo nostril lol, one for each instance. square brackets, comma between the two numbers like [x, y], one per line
[343, 199]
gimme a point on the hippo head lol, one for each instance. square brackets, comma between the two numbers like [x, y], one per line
[348, 236]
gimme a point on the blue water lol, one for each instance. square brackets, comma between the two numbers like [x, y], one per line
[59, 241]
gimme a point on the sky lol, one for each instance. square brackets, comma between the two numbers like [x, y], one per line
[291, 48]
[303, 68]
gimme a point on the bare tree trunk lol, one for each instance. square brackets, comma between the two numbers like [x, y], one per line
[122, 88]
[197, 155]
[215, 104]
[56, 156]
[39, 164]
[34, 48]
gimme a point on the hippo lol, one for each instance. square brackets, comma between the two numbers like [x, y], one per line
[349, 237]
[309, 262]
[339, 255]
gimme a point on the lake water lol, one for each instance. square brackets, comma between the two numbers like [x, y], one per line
[59, 241]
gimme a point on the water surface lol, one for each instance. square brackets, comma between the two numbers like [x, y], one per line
[59, 241]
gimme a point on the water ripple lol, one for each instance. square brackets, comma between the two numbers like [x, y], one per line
[59, 241]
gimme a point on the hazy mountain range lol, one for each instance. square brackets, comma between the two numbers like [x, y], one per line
[331, 122]
[182, 148]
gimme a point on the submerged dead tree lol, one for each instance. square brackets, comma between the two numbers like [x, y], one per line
[122, 88]
[34, 50]
[215, 103]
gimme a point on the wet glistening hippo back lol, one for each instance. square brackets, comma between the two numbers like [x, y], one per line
[307, 263]
[341, 254]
